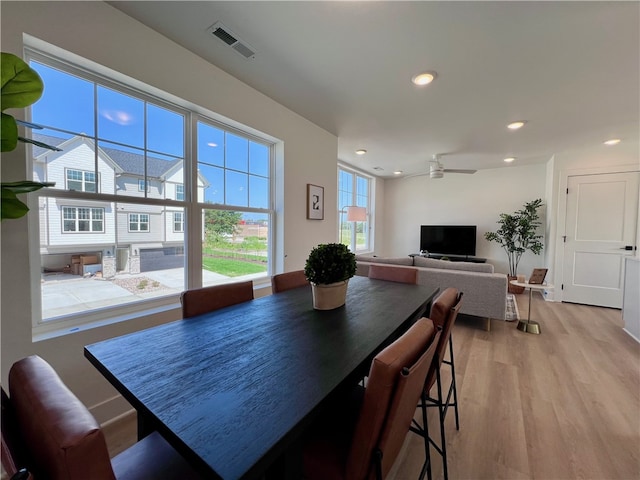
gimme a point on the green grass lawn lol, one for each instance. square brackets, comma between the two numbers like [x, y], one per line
[232, 267]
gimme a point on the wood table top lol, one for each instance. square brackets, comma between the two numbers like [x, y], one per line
[232, 389]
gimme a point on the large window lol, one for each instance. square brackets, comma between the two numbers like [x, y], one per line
[78, 219]
[124, 154]
[354, 190]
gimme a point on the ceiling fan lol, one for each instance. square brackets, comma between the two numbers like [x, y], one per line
[437, 170]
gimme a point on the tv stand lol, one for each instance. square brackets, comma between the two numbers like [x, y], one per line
[452, 258]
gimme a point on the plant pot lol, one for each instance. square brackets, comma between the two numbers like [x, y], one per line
[514, 288]
[329, 296]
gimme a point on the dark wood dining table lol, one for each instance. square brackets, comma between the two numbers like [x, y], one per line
[233, 390]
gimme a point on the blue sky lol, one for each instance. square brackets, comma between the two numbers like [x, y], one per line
[236, 169]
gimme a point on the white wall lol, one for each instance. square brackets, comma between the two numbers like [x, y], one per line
[476, 199]
[102, 34]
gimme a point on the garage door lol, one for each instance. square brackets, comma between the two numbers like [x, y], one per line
[152, 259]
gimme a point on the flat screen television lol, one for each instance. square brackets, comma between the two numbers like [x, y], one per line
[448, 239]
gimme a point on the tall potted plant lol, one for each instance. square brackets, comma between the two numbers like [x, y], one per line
[517, 234]
[329, 268]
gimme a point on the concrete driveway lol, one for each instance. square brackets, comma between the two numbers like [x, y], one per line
[64, 294]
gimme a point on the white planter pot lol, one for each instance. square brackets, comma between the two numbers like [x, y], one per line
[329, 296]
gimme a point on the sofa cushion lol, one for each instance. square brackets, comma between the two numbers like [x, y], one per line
[393, 260]
[466, 266]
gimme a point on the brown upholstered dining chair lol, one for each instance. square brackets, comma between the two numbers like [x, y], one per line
[207, 299]
[444, 312]
[288, 280]
[361, 439]
[62, 440]
[393, 273]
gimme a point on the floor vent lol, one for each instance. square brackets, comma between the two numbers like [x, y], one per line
[231, 39]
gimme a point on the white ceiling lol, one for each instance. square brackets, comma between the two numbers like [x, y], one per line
[571, 69]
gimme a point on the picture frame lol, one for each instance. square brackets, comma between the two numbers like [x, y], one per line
[537, 276]
[315, 202]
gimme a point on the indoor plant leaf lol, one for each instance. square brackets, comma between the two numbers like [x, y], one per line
[21, 84]
[11, 207]
[9, 138]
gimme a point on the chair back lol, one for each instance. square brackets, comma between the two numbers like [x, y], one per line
[393, 273]
[207, 299]
[444, 312]
[63, 439]
[396, 379]
[288, 280]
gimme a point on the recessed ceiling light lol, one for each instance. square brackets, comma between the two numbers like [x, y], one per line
[362, 151]
[212, 144]
[509, 159]
[378, 169]
[398, 172]
[424, 78]
[613, 141]
[516, 125]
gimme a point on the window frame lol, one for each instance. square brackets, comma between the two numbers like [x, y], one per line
[139, 222]
[77, 220]
[142, 183]
[192, 210]
[175, 222]
[180, 192]
[356, 201]
[96, 183]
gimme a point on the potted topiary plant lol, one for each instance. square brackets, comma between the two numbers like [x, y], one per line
[329, 268]
[516, 235]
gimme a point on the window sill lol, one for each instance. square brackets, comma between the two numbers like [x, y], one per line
[54, 329]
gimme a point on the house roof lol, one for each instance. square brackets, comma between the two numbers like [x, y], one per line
[130, 163]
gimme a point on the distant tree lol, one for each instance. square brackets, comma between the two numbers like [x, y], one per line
[221, 222]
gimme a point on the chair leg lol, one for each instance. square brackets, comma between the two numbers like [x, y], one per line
[441, 413]
[426, 467]
[453, 382]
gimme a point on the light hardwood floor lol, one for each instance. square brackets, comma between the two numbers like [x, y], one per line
[561, 405]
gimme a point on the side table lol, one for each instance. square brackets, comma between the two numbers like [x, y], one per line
[528, 326]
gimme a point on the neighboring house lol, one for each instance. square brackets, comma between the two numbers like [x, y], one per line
[126, 237]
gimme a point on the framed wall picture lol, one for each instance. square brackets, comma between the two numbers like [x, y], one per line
[315, 202]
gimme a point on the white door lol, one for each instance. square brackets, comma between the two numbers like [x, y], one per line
[602, 211]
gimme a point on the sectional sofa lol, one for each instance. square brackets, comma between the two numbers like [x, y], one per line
[485, 292]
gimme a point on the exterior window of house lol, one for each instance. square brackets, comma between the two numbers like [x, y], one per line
[354, 189]
[81, 181]
[178, 222]
[82, 219]
[116, 140]
[138, 222]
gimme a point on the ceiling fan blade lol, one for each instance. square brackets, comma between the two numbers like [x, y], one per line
[416, 175]
[458, 170]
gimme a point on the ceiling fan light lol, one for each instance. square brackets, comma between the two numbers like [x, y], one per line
[424, 78]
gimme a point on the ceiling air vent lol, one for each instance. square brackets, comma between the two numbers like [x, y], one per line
[231, 39]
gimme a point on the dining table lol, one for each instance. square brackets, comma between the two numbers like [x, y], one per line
[234, 390]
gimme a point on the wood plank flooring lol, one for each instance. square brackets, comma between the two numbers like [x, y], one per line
[561, 405]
